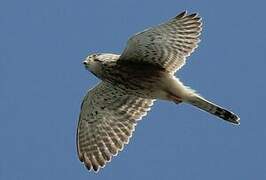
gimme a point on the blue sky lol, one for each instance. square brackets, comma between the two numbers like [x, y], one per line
[42, 83]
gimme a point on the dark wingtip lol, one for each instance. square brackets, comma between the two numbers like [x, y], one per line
[95, 169]
[193, 15]
[181, 15]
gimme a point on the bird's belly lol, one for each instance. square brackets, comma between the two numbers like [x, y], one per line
[145, 89]
[146, 85]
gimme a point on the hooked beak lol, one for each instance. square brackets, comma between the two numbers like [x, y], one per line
[85, 62]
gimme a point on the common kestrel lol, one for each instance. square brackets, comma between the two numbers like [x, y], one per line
[130, 84]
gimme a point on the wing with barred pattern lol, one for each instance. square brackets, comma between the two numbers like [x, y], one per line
[107, 119]
[167, 44]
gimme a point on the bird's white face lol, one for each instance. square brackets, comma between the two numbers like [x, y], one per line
[93, 63]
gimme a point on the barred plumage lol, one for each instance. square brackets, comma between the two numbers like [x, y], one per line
[107, 119]
[131, 82]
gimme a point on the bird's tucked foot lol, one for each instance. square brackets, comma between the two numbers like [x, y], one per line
[175, 98]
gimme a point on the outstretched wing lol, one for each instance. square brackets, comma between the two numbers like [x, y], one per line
[167, 44]
[107, 119]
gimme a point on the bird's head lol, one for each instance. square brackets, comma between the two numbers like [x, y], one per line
[93, 63]
[96, 63]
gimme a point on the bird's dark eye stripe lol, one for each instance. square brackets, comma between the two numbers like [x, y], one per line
[96, 60]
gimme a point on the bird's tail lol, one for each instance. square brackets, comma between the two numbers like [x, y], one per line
[214, 109]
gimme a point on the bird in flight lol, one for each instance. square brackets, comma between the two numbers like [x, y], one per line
[132, 81]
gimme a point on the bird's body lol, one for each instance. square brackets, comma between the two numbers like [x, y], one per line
[140, 79]
[131, 82]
